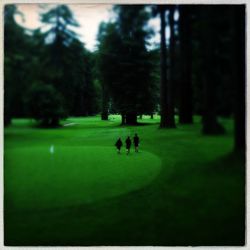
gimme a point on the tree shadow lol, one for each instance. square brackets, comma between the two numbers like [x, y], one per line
[42, 126]
[231, 163]
[139, 124]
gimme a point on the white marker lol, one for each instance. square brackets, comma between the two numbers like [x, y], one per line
[51, 149]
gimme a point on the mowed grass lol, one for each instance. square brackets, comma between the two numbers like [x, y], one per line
[182, 188]
[74, 175]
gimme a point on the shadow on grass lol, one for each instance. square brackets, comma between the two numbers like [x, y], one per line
[233, 162]
[139, 124]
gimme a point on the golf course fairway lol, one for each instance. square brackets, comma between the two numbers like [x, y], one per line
[70, 176]
[68, 186]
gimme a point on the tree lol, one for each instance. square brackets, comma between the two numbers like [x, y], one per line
[66, 63]
[170, 88]
[239, 77]
[17, 64]
[185, 107]
[164, 100]
[126, 65]
[220, 58]
[81, 90]
[166, 83]
[45, 104]
[105, 62]
[209, 15]
[58, 39]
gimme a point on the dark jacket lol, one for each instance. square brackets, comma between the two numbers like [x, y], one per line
[128, 143]
[118, 144]
[136, 141]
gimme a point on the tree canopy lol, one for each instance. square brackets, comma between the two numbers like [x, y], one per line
[125, 63]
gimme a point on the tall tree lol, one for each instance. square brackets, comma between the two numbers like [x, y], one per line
[163, 95]
[66, 63]
[239, 75]
[185, 106]
[17, 64]
[128, 64]
[209, 45]
[166, 83]
[79, 79]
[58, 38]
[106, 38]
[172, 56]
[136, 65]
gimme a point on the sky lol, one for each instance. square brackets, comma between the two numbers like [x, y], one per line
[89, 16]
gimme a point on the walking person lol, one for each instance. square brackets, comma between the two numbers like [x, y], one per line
[118, 145]
[128, 144]
[136, 142]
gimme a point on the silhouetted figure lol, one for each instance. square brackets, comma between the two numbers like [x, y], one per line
[136, 142]
[128, 144]
[118, 145]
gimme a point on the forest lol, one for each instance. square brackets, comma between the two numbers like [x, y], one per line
[200, 70]
[187, 93]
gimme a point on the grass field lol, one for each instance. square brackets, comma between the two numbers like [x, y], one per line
[68, 186]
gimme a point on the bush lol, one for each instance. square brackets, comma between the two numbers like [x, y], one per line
[45, 104]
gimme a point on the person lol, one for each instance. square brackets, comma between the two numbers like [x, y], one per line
[136, 143]
[118, 145]
[128, 144]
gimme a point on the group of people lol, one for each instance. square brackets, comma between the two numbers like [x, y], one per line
[128, 142]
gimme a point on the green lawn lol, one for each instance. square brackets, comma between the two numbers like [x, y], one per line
[68, 186]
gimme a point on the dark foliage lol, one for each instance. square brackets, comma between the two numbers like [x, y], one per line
[126, 67]
[45, 104]
[56, 56]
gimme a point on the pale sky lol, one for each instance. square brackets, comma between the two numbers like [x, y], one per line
[88, 16]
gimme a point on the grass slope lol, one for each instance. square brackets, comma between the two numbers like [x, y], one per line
[182, 189]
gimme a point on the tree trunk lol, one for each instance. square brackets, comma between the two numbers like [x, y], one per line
[104, 115]
[123, 119]
[152, 116]
[54, 122]
[209, 118]
[7, 115]
[170, 86]
[163, 87]
[45, 122]
[7, 120]
[238, 67]
[131, 118]
[185, 107]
